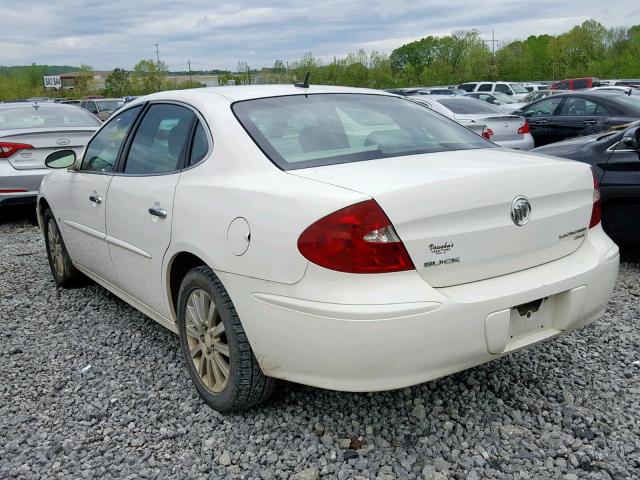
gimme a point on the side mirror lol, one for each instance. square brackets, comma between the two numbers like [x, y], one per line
[631, 138]
[60, 159]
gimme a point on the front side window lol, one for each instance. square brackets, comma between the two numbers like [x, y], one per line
[301, 131]
[91, 106]
[543, 108]
[577, 107]
[160, 141]
[485, 87]
[102, 152]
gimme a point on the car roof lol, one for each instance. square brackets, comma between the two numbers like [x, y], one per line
[250, 92]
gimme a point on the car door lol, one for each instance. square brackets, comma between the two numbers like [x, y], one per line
[578, 116]
[140, 202]
[538, 115]
[81, 210]
[620, 187]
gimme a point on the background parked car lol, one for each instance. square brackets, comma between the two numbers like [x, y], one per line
[572, 114]
[28, 133]
[512, 89]
[538, 94]
[615, 157]
[617, 89]
[534, 87]
[502, 102]
[102, 108]
[575, 83]
[477, 127]
[509, 131]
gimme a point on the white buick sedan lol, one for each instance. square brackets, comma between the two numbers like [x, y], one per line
[343, 238]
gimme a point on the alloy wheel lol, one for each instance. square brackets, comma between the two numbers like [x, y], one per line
[207, 341]
[55, 247]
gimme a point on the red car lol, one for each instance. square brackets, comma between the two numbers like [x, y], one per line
[575, 83]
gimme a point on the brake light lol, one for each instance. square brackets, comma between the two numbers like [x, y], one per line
[355, 239]
[596, 210]
[524, 128]
[487, 133]
[9, 148]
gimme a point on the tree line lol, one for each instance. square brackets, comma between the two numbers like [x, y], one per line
[588, 49]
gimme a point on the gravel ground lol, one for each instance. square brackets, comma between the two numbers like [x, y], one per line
[92, 388]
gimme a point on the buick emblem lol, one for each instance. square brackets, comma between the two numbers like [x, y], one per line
[63, 141]
[520, 211]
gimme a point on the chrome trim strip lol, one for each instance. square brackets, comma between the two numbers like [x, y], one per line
[85, 229]
[127, 246]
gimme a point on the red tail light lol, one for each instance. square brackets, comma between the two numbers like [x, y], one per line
[487, 133]
[596, 211]
[356, 239]
[524, 128]
[9, 148]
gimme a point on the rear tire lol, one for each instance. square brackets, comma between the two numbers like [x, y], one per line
[62, 269]
[216, 350]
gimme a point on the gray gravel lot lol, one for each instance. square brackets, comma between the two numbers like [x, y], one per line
[92, 388]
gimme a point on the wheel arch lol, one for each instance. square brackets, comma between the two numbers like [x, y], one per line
[178, 266]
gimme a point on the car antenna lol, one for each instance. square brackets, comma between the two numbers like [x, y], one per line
[303, 84]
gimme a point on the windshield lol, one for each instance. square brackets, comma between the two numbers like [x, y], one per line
[503, 97]
[108, 105]
[301, 131]
[468, 106]
[517, 88]
[46, 117]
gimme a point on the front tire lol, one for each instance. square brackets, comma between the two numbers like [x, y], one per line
[215, 347]
[62, 269]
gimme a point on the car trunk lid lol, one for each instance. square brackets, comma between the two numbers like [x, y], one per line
[452, 209]
[44, 142]
[504, 127]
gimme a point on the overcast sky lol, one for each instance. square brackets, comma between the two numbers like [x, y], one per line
[118, 33]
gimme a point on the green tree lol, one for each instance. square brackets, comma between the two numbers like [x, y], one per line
[118, 84]
[148, 76]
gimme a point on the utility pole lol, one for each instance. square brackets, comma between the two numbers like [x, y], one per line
[157, 54]
[189, 62]
[493, 42]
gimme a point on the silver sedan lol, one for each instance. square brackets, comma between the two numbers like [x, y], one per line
[29, 131]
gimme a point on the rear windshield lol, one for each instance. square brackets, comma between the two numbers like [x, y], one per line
[301, 131]
[46, 117]
[109, 105]
[468, 106]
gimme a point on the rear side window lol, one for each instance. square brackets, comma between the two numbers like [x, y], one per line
[485, 87]
[576, 107]
[301, 131]
[160, 141]
[580, 83]
[467, 87]
[502, 88]
[200, 145]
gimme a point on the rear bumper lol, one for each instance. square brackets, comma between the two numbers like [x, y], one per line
[370, 332]
[19, 186]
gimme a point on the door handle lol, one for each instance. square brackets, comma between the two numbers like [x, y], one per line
[540, 122]
[95, 199]
[158, 212]
[589, 122]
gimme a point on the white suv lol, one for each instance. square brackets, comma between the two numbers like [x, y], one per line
[515, 90]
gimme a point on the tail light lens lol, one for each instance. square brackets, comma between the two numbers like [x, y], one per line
[524, 128]
[596, 210]
[487, 133]
[355, 239]
[9, 148]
